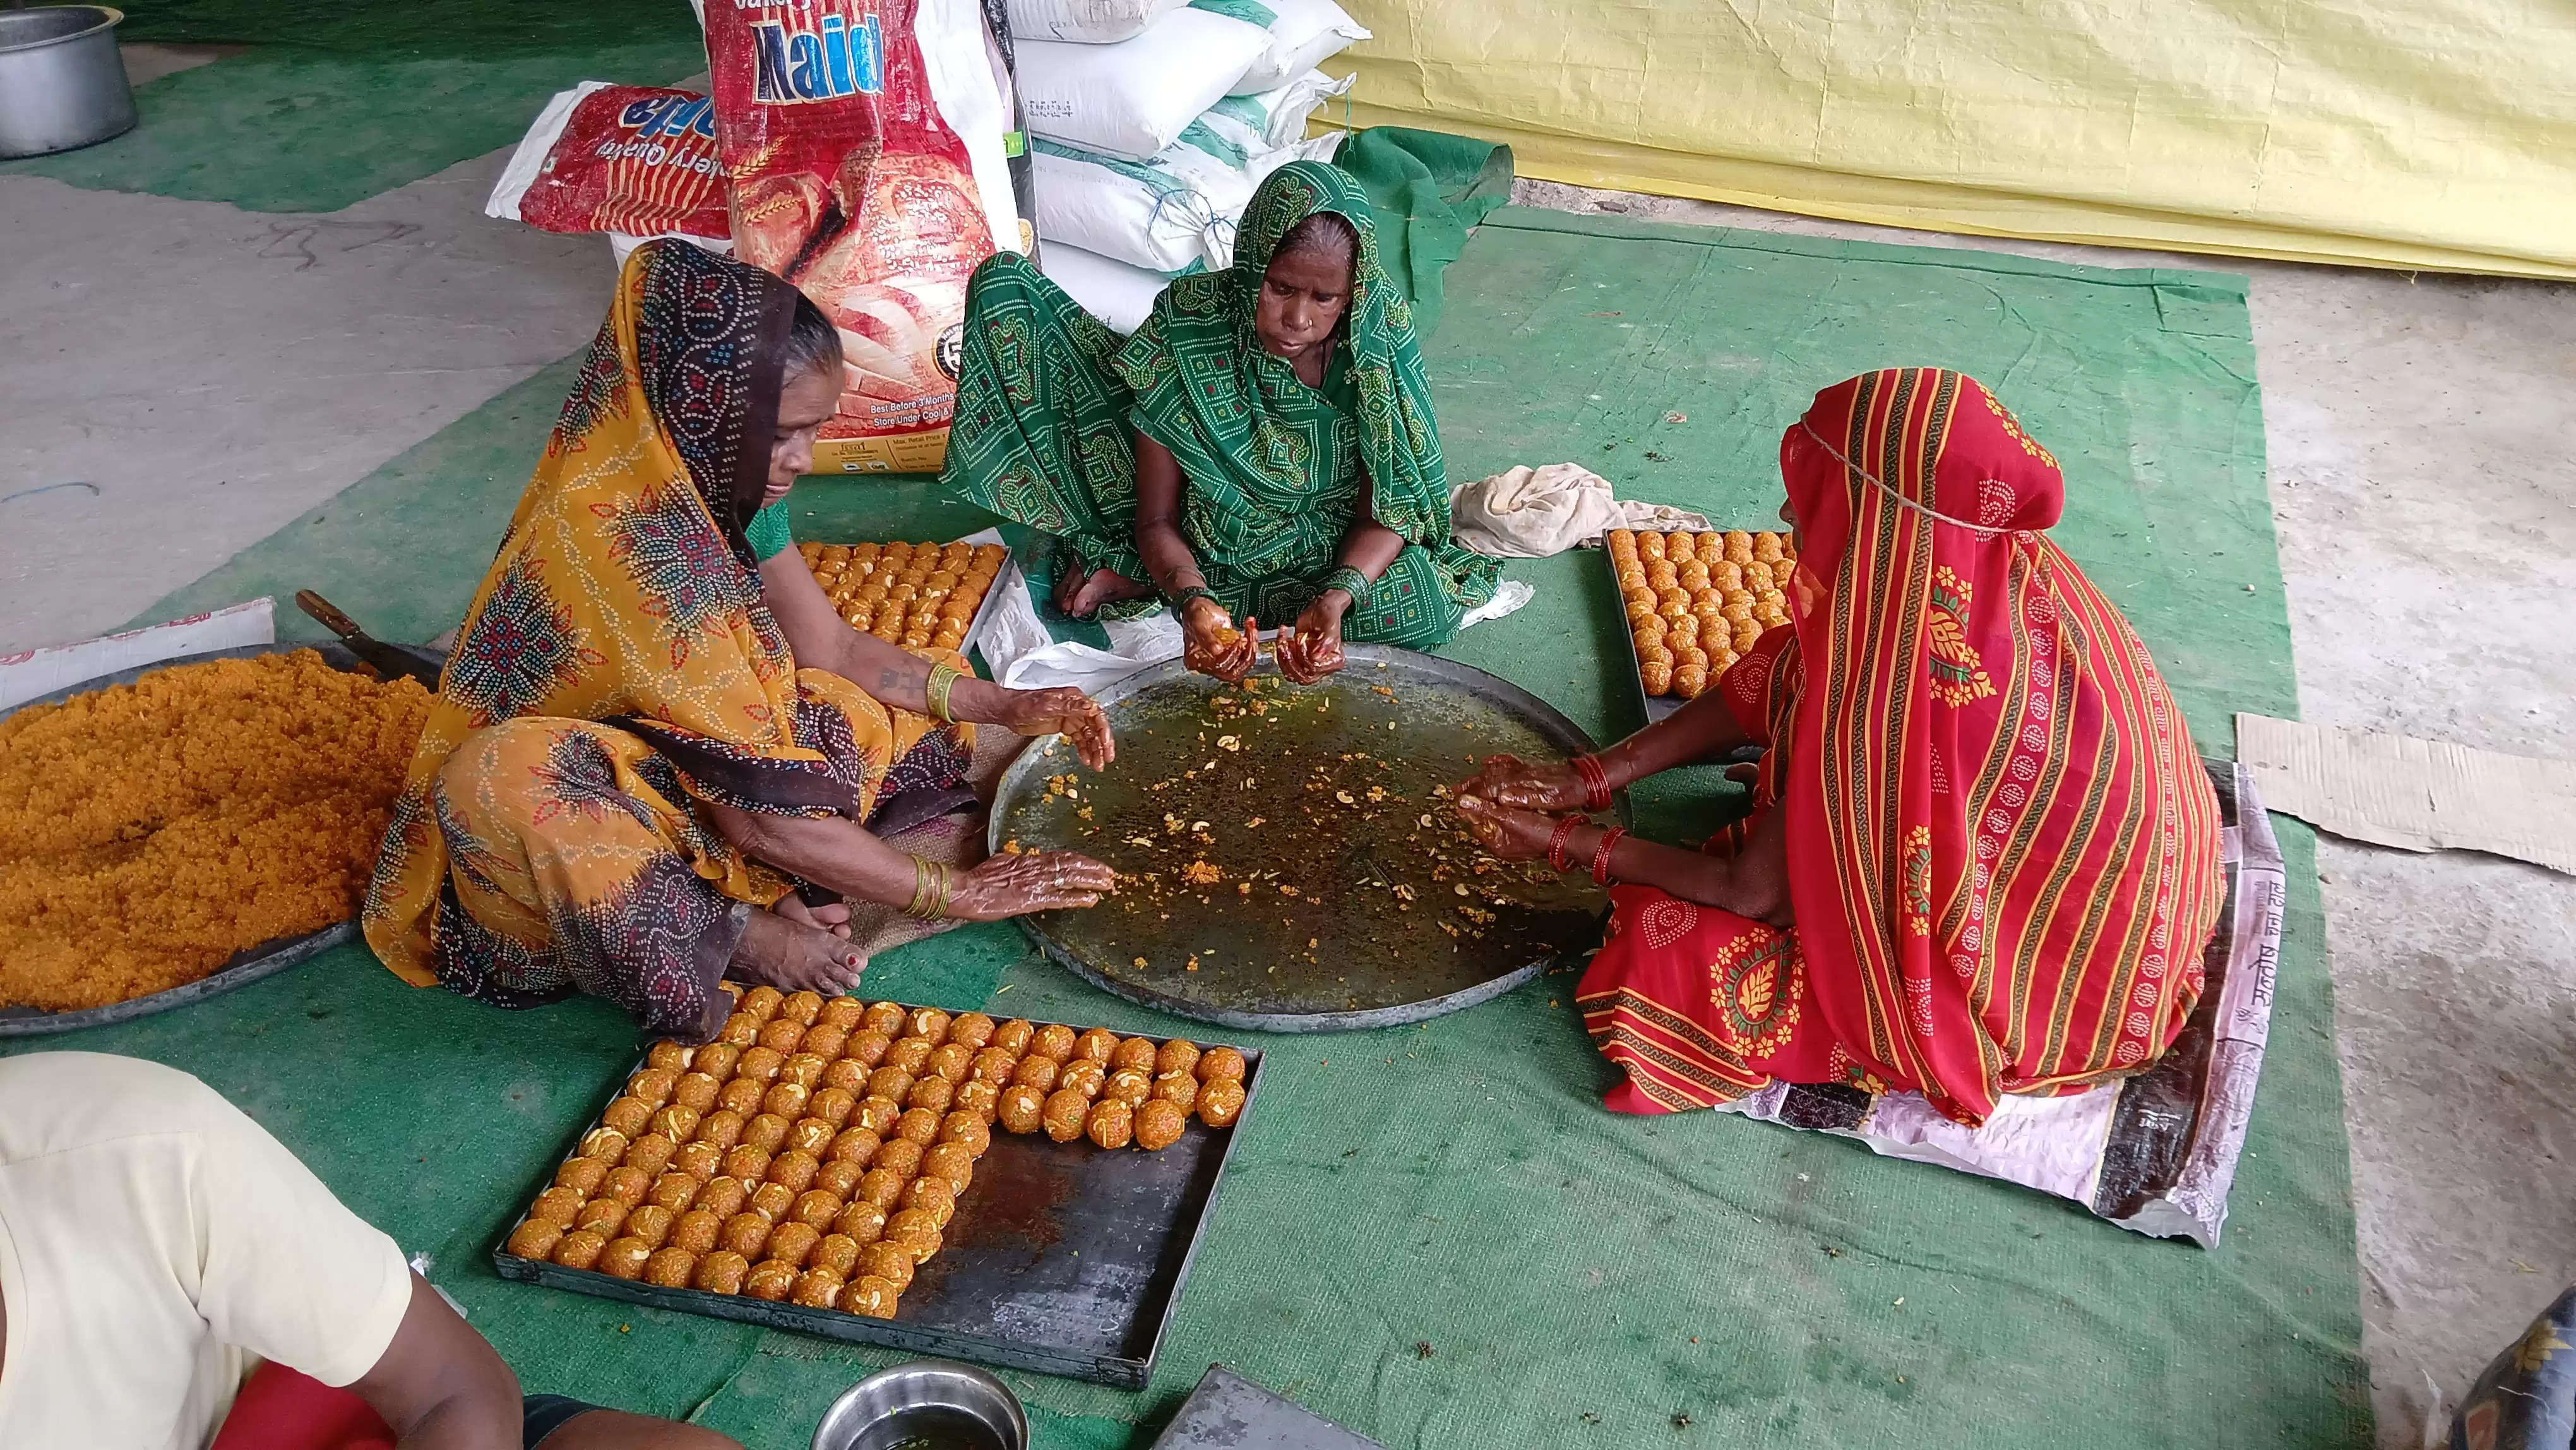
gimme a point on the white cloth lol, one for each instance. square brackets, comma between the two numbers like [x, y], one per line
[153, 1239]
[1530, 513]
[1156, 637]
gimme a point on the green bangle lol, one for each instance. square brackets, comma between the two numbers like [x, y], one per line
[943, 678]
[1350, 581]
[1181, 597]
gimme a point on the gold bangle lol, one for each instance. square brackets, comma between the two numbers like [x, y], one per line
[940, 885]
[919, 907]
[943, 678]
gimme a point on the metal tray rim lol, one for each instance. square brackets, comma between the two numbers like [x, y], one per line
[1118, 1371]
[247, 966]
[1549, 720]
[1650, 708]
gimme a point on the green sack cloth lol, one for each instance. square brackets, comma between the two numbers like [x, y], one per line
[1428, 189]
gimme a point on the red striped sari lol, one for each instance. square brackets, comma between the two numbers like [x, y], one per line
[2003, 850]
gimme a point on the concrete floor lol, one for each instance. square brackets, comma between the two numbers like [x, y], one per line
[185, 377]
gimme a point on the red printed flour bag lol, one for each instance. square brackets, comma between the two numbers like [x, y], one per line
[849, 182]
[636, 160]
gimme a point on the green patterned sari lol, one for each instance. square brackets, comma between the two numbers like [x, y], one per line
[1274, 471]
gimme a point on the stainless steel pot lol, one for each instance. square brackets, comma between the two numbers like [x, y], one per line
[933, 1401]
[62, 83]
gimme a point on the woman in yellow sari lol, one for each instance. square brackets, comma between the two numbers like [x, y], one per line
[651, 747]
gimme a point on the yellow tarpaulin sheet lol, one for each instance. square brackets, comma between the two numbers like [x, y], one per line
[2438, 134]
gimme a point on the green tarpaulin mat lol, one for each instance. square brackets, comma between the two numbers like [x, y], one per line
[1434, 1234]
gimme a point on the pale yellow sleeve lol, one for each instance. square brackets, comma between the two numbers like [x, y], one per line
[290, 1274]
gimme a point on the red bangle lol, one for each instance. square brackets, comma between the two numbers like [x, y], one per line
[1556, 856]
[1601, 855]
[1596, 782]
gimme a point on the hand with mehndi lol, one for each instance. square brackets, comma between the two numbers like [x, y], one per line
[1510, 833]
[1508, 780]
[1311, 649]
[1212, 645]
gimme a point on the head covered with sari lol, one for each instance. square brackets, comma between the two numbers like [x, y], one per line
[625, 592]
[1260, 448]
[2003, 848]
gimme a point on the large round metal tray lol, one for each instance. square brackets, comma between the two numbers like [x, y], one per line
[1243, 960]
[265, 960]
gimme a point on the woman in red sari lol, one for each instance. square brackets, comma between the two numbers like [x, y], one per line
[1983, 856]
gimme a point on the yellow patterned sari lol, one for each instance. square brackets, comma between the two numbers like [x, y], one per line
[618, 667]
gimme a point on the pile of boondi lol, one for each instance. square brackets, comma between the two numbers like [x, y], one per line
[148, 832]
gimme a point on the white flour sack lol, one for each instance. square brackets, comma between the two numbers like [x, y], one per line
[1142, 213]
[1114, 292]
[1303, 35]
[1165, 214]
[1135, 97]
[1086, 22]
[1276, 117]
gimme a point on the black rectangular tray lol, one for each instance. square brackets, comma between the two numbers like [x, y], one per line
[1063, 1259]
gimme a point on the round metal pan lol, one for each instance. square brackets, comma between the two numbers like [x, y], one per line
[1346, 950]
[265, 960]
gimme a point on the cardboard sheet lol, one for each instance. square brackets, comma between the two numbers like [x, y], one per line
[2418, 795]
[2398, 133]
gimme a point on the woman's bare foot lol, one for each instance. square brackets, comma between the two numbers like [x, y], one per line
[1080, 591]
[778, 951]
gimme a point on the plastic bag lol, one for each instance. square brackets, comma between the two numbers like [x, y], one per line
[1135, 97]
[842, 127]
[1303, 35]
[635, 160]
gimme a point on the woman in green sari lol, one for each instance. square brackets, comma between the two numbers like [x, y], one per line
[1262, 448]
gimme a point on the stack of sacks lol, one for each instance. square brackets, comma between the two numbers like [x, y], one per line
[1154, 121]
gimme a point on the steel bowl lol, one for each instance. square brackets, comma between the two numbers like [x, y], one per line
[62, 82]
[936, 1402]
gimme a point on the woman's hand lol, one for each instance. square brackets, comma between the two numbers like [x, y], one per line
[1514, 835]
[1508, 780]
[1062, 711]
[1017, 885]
[1312, 648]
[1212, 645]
